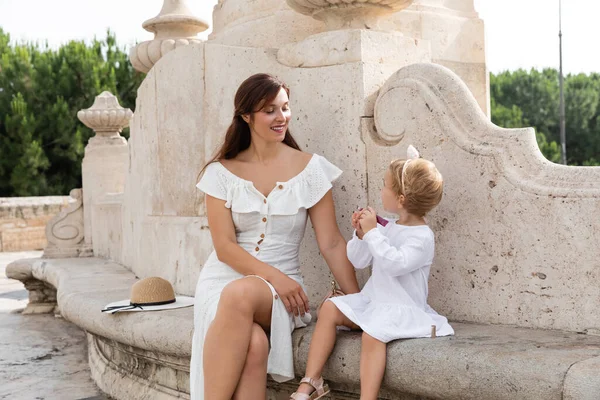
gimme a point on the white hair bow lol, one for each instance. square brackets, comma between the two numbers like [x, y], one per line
[411, 154]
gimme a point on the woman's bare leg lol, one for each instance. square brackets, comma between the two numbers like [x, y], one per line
[242, 303]
[323, 341]
[253, 382]
[372, 366]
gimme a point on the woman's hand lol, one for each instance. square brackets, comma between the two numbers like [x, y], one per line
[356, 224]
[291, 293]
[368, 219]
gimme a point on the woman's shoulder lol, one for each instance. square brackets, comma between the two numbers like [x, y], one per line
[299, 159]
[233, 165]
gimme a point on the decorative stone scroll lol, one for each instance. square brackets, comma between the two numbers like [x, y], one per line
[173, 27]
[357, 14]
[65, 233]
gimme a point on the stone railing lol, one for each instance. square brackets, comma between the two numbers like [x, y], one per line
[23, 221]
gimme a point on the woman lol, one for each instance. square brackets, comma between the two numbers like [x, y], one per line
[260, 188]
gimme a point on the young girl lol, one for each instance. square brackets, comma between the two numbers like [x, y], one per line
[393, 303]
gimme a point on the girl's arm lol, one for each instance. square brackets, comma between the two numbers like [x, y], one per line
[332, 244]
[231, 253]
[358, 252]
[410, 256]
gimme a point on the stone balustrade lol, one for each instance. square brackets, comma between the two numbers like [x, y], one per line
[104, 167]
[23, 221]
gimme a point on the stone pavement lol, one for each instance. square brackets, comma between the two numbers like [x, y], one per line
[41, 357]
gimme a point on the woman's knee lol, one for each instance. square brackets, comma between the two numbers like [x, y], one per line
[245, 295]
[237, 295]
[258, 350]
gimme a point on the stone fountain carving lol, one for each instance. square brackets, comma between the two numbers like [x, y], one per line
[173, 27]
[357, 14]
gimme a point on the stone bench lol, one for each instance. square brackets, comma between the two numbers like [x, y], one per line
[146, 355]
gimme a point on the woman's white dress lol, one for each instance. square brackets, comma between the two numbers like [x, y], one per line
[271, 229]
[393, 303]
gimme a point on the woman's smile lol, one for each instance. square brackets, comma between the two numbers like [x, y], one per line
[279, 128]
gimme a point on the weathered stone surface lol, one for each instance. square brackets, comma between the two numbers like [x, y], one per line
[514, 240]
[124, 371]
[348, 46]
[23, 221]
[65, 231]
[581, 382]
[453, 30]
[130, 350]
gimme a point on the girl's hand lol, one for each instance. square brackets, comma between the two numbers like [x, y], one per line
[291, 293]
[368, 219]
[356, 225]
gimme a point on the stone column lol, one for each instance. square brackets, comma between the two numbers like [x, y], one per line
[173, 27]
[456, 34]
[106, 155]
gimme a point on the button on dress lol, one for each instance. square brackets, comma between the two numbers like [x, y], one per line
[270, 228]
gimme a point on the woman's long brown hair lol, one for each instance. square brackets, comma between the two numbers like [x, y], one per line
[253, 94]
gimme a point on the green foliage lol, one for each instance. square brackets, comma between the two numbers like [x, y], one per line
[522, 98]
[41, 89]
[513, 118]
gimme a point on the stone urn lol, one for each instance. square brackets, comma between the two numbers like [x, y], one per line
[175, 26]
[349, 14]
[107, 118]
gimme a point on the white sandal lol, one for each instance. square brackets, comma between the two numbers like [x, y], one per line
[321, 389]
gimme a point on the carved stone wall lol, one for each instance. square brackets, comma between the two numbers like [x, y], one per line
[23, 221]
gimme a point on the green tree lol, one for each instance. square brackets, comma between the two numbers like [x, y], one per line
[41, 89]
[531, 98]
[513, 118]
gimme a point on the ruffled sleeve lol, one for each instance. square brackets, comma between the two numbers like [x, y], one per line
[306, 189]
[214, 183]
[318, 181]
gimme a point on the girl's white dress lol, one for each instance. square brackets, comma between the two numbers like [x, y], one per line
[271, 229]
[393, 303]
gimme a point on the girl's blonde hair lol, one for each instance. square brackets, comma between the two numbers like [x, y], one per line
[419, 181]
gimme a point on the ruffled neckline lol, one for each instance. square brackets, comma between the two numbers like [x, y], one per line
[250, 184]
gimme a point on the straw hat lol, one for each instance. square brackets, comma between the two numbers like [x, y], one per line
[150, 294]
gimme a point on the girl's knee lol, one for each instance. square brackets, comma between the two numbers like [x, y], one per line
[329, 308]
[370, 340]
[330, 313]
[258, 350]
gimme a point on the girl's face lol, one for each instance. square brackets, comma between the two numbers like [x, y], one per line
[391, 202]
[271, 122]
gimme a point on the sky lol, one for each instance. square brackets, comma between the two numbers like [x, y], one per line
[519, 33]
